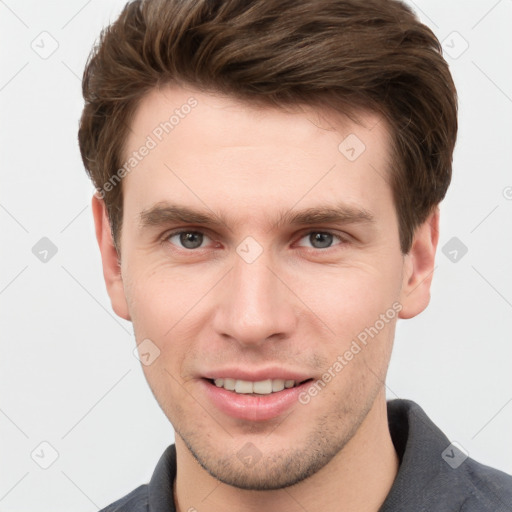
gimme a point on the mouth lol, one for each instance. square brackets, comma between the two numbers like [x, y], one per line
[261, 387]
[253, 400]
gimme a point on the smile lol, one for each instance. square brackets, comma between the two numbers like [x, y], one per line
[247, 400]
[261, 387]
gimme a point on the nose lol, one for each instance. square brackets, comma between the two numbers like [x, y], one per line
[255, 304]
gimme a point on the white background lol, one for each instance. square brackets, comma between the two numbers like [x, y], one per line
[67, 372]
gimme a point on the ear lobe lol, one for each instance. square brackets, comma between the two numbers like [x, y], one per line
[419, 267]
[110, 259]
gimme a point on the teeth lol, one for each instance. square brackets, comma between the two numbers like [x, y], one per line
[261, 387]
[277, 385]
[243, 386]
[229, 384]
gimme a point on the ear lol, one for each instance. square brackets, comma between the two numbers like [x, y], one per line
[109, 259]
[419, 267]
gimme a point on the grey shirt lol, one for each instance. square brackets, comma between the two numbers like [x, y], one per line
[434, 475]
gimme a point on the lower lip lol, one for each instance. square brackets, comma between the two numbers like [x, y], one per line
[253, 407]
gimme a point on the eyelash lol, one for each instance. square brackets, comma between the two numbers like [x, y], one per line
[343, 239]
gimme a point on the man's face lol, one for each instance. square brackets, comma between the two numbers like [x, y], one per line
[261, 290]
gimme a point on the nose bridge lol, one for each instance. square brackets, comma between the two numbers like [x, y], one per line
[254, 304]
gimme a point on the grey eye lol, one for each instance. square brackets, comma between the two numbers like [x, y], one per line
[320, 240]
[188, 239]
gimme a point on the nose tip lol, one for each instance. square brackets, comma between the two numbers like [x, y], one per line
[254, 305]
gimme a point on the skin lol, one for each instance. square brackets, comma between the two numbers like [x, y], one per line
[299, 305]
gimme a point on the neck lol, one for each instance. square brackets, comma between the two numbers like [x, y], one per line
[360, 477]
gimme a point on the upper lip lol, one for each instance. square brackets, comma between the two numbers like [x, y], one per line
[256, 375]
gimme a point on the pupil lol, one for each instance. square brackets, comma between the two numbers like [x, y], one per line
[191, 240]
[321, 240]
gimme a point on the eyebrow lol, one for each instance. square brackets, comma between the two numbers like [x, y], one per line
[165, 213]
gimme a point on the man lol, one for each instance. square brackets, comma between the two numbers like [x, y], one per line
[268, 177]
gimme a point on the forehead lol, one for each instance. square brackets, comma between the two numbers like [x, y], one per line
[213, 150]
[212, 117]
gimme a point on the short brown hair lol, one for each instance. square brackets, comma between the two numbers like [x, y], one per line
[346, 54]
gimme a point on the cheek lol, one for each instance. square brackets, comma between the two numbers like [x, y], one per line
[350, 299]
[360, 306]
[167, 306]
[158, 298]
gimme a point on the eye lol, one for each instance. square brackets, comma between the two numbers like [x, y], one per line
[191, 239]
[321, 239]
[188, 239]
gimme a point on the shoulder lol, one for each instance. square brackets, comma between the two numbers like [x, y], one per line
[434, 474]
[487, 488]
[158, 494]
[135, 501]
